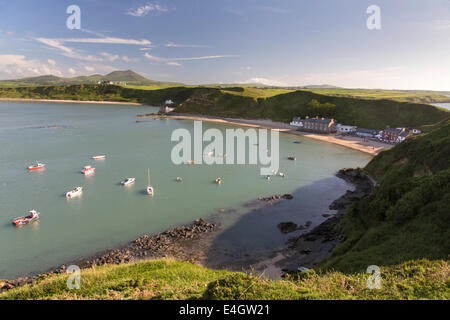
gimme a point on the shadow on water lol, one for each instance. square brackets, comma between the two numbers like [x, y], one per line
[254, 236]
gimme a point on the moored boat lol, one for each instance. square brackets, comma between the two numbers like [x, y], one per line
[88, 170]
[100, 157]
[281, 174]
[218, 180]
[37, 166]
[128, 181]
[291, 158]
[74, 193]
[179, 179]
[33, 216]
[150, 190]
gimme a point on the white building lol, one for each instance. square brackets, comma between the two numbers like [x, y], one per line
[342, 128]
[297, 121]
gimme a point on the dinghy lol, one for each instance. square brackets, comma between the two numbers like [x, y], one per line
[33, 216]
[88, 170]
[74, 193]
[128, 181]
[37, 166]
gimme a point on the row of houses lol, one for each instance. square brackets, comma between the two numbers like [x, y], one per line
[327, 126]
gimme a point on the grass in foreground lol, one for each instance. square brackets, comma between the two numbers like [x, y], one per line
[169, 279]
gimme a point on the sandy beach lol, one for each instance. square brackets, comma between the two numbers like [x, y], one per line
[368, 146]
[70, 101]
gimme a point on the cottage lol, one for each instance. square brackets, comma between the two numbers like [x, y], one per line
[342, 128]
[297, 121]
[366, 133]
[394, 135]
[320, 125]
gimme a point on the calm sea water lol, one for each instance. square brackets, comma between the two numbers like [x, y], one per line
[109, 214]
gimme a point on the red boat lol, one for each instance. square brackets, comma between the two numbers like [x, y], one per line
[33, 216]
[37, 166]
[88, 170]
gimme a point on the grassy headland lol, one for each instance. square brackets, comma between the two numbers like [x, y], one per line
[406, 216]
[250, 103]
[169, 279]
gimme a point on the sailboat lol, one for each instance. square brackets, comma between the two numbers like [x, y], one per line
[150, 189]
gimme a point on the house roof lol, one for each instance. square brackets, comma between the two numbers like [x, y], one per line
[394, 130]
[370, 131]
[318, 120]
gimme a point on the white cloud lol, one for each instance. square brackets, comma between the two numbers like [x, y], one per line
[13, 65]
[110, 57]
[178, 45]
[107, 40]
[51, 61]
[266, 81]
[173, 61]
[152, 8]
[441, 24]
[71, 71]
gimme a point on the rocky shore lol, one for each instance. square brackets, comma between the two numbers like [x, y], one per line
[309, 248]
[182, 243]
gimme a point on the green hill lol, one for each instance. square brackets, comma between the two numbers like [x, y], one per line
[253, 103]
[127, 76]
[407, 216]
[168, 279]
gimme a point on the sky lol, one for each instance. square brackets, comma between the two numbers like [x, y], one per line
[274, 42]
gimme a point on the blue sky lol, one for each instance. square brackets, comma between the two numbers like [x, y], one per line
[276, 42]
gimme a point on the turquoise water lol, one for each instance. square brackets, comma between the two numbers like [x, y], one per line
[108, 214]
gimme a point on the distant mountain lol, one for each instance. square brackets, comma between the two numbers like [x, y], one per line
[128, 77]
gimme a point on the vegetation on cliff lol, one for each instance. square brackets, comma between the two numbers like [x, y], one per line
[169, 279]
[241, 102]
[407, 215]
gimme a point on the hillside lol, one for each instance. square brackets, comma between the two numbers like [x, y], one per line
[128, 76]
[407, 215]
[168, 279]
[247, 103]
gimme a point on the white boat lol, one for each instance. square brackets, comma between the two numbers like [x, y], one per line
[128, 181]
[179, 179]
[150, 190]
[74, 193]
[218, 180]
[211, 153]
[88, 170]
[100, 157]
[281, 174]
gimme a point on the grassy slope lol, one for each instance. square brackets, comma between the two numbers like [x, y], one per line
[250, 103]
[417, 96]
[168, 279]
[407, 216]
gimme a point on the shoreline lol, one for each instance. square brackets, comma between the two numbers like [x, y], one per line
[369, 147]
[192, 243]
[71, 101]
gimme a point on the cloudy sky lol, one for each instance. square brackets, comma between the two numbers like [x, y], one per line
[276, 42]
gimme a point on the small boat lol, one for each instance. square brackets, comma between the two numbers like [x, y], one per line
[191, 162]
[128, 181]
[267, 177]
[150, 190]
[281, 174]
[101, 157]
[74, 193]
[297, 142]
[37, 166]
[88, 170]
[33, 216]
[218, 180]
[291, 158]
[211, 153]
[179, 179]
